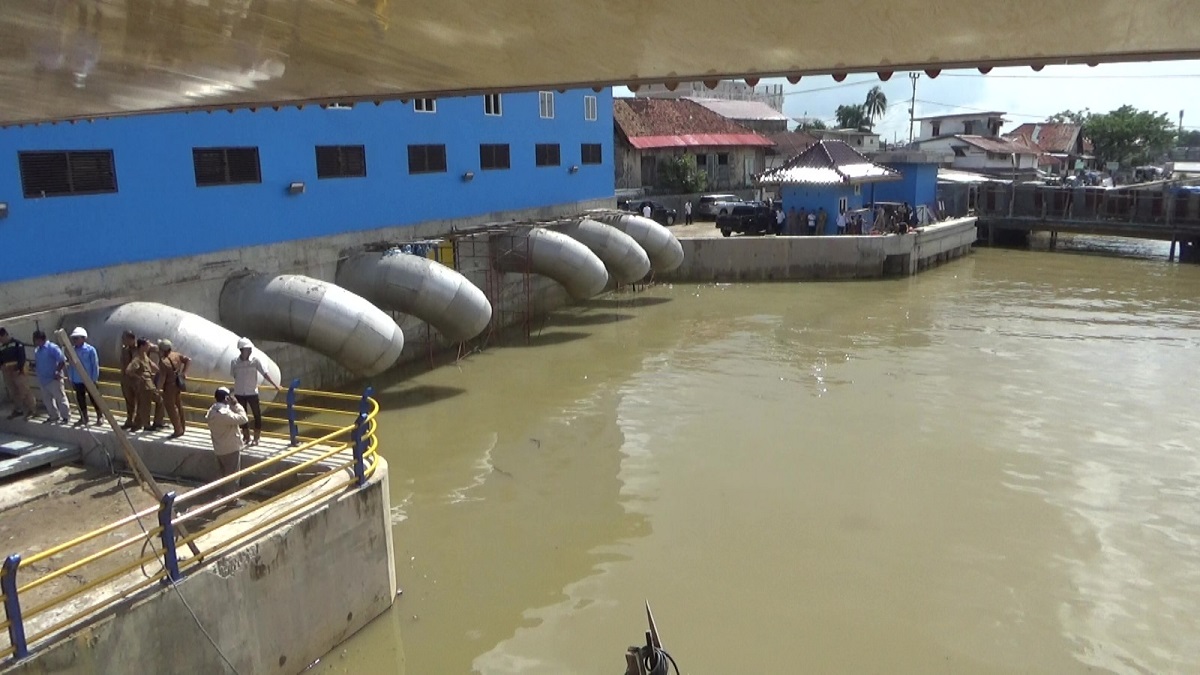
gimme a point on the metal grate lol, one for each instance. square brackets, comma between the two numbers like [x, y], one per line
[427, 159]
[226, 166]
[493, 156]
[548, 154]
[341, 161]
[590, 153]
[66, 173]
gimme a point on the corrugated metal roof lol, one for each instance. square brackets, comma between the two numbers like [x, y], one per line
[1048, 137]
[791, 143]
[1003, 145]
[699, 140]
[741, 110]
[828, 163]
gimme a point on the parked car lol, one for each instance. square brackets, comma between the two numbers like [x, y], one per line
[658, 211]
[711, 206]
[747, 218]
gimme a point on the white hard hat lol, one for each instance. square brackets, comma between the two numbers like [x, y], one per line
[245, 343]
[79, 332]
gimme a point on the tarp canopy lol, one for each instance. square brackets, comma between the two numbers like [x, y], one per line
[99, 57]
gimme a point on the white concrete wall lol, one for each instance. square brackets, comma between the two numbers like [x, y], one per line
[273, 605]
[815, 258]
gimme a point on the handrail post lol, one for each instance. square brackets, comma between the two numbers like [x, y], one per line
[166, 521]
[293, 430]
[360, 448]
[364, 404]
[12, 606]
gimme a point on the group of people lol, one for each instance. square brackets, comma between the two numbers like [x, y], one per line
[883, 219]
[152, 375]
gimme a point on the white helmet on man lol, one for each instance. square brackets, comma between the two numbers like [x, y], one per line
[245, 343]
[79, 332]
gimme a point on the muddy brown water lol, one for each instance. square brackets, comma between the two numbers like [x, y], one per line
[989, 468]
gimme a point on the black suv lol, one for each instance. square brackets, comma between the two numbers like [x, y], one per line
[748, 218]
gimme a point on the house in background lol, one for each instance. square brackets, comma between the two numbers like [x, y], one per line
[993, 156]
[830, 175]
[787, 144]
[986, 124]
[1062, 147]
[918, 177]
[754, 115]
[650, 131]
[862, 141]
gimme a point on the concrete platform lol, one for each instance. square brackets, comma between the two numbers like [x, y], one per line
[189, 457]
[19, 453]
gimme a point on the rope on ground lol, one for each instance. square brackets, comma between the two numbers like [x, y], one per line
[158, 554]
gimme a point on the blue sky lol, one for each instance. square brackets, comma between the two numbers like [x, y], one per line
[1027, 96]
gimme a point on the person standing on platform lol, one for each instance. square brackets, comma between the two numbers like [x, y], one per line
[128, 383]
[245, 370]
[12, 362]
[223, 419]
[687, 212]
[812, 223]
[90, 361]
[142, 372]
[51, 366]
[841, 222]
[822, 221]
[172, 380]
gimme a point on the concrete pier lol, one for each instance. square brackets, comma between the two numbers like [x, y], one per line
[817, 258]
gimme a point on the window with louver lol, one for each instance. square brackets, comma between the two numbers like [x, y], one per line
[226, 166]
[341, 161]
[67, 173]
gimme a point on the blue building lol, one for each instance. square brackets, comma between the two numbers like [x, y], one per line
[829, 175]
[918, 183]
[149, 187]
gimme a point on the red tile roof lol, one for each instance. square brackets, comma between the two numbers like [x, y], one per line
[1048, 137]
[1001, 145]
[667, 123]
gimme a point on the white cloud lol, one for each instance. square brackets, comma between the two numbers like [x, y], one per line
[1027, 96]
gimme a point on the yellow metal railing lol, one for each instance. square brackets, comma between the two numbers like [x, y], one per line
[325, 450]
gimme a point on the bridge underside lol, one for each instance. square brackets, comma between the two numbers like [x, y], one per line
[79, 58]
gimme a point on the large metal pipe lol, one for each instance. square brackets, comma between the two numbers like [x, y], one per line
[551, 254]
[625, 259]
[317, 314]
[665, 251]
[426, 289]
[210, 346]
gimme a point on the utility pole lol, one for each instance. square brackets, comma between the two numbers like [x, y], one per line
[912, 106]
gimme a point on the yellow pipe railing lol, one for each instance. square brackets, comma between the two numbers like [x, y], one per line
[357, 438]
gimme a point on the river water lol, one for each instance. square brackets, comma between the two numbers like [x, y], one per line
[992, 467]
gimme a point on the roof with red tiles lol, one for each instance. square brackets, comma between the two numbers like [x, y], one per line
[1049, 137]
[664, 123]
[1002, 145]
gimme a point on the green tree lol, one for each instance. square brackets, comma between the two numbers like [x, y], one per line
[852, 117]
[812, 123]
[1189, 139]
[876, 104]
[680, 174]
[1070, 117]
[1128, 135]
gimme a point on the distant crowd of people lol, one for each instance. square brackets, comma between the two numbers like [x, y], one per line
[882, 219]
[153, 377]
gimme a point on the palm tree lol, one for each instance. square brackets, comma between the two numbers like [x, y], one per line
[876, 104]
[851, 117]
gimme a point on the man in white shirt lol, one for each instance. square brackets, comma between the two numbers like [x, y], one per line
[245, 370]
[224, 418]
[687, 212]
[841, 222]
[646, 210]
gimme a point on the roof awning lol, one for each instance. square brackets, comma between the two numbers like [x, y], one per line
[699, 141]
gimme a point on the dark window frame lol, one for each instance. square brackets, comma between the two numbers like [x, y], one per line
[494, 157]
[547, 154]
[341, 161]
[591, 153]
[82, 172]
[230, 173]
[431, 156]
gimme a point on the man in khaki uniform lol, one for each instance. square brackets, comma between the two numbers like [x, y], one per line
[128, 383]
[12, 362]
[224, 419]
[142, 372]
[172, 374]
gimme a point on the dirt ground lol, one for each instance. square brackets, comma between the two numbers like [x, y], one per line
[43, 509]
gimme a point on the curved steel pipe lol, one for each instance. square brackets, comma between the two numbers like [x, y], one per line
[210, 346]
[316, 314]
[624, 258]
[664, 249]
[552, 254]
[424, 288]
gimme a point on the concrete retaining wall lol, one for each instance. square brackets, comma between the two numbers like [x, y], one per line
[815, 258]
[273, 606]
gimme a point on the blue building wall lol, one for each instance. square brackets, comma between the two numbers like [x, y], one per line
[813, 197]
[159, 212]
[918, 185]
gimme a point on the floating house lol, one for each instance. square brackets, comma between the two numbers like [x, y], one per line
[830, 175]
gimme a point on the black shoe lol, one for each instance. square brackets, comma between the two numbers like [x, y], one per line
[154, 427]
[127, 426]
[134, 430]
[80, 423]
[15, 414]
[49, 421]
